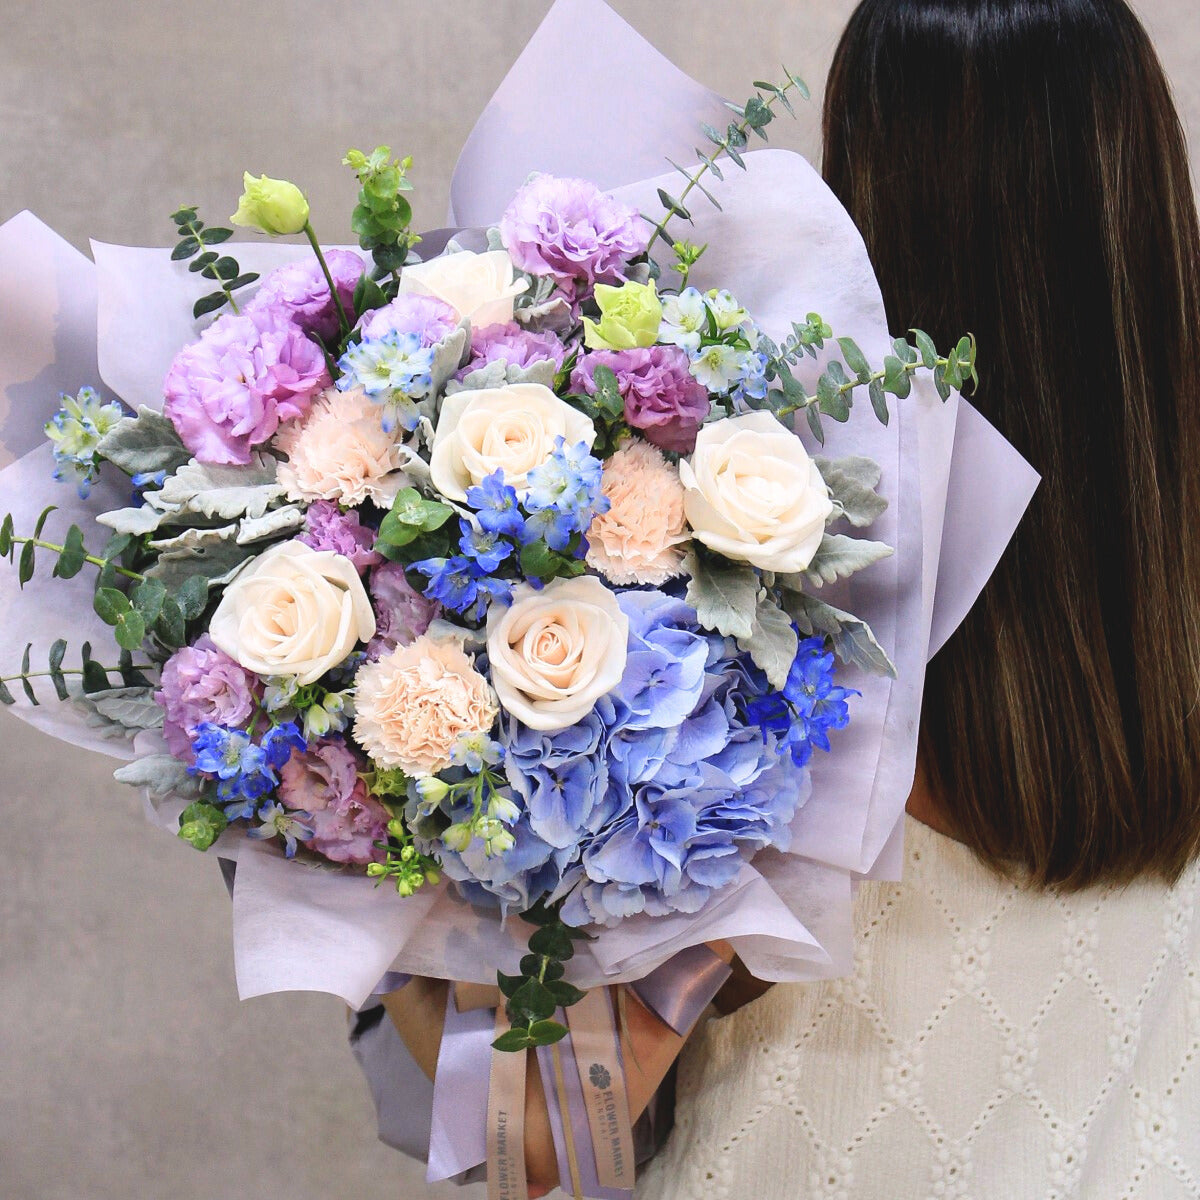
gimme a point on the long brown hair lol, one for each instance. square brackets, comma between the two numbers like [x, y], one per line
[1017, 168]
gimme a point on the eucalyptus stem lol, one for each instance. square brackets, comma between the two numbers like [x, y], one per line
[73, 671]
[725, 145]
[343, 318]
[849, 386]
[192, 231]
[102, 563]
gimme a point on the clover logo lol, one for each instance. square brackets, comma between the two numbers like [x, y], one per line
[600, 1077]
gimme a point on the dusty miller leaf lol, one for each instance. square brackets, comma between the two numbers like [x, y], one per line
[772, 642]
[162, 774]
[144, 444]
[214, 563]
[839, 556]
[134, 521]
[221, 491]
[852, 482]
[127, 709]
[273, 524]
[853, 641]
[725, 597]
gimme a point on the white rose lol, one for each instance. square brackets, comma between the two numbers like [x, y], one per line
[511, 428]
[293, 611]
[479, 287]
[553, 653]
[752, 493]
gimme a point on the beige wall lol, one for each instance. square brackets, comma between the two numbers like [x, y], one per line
[127, 1067]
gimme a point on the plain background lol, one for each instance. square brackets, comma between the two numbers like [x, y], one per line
[128, 1068]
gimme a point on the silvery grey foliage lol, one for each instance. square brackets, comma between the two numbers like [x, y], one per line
[853, 641]
[839, 556]
[725, 597]
[161, 774]
[773, 641]
[852, 482]
[121, 711]
[144, 444]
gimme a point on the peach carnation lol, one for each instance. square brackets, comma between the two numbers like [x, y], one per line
[640, 538]
[414, 704]
[341, 452]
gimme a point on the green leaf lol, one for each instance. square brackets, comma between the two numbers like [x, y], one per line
[130, 630]
[56, 676]
[712, 135]
[508, 983]
[148, 599]
[210, 237]
[131, 677]
[185, 249]
[904, 351]
[368, 295]
[672, 205]
[513, 1041]
[939, 382]
[565, 994]
[546, 1033]
[814, 423]
[26, 686]
[772, 642]
[41, 521]
[608, 392]
[170, 626]
[896, 378]
[201, 824]
[798, 84]
[25, 564]
[929, 354]
[410, 509]
[95, 678]
[243, 281]
[6, 536]
[831, 399]
[551, 941]
[207, 304]
[72, 556]
[878, 401]
[758, 113]
[852, 482]
[724, 596]
[192, 597]
[110, 605]
[184, 214]
[853, 641]
[6, 697]
[202, 261]
[855, 359]
[530, 1002]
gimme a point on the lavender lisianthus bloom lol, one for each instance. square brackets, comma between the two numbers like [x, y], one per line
[299, 292]
[429, 318]
[346, 821]
[662, 399]
[513, 345]
[202, 685]
[571, 231]
[248, 373]
[326, 527]
[402, 614]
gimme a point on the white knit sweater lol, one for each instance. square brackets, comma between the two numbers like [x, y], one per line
[992, 1043]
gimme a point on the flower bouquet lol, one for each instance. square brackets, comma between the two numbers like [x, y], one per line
[480, 596]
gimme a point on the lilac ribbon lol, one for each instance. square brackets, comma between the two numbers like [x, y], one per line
[446, 1122]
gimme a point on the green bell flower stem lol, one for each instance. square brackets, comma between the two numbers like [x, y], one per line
[343, 319]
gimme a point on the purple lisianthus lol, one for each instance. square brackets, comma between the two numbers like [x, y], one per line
[326, 527]
[514, 345]
[401, 613]
[345, 818]
[573, 232]
[229, 392]
[428, 317]
[662, 400]
[299, 292]
[202, 685]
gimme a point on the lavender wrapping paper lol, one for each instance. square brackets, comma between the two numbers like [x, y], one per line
[785, 247]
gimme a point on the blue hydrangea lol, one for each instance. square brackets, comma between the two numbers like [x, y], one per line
[75, 432]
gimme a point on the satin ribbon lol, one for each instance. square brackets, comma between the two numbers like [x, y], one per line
[677, 993]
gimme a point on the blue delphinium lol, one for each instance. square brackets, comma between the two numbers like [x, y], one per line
[278, 821]
[496, 507]
[75, 432]
[245, 771]
[808, 707]
[394, 370]
[563, 495]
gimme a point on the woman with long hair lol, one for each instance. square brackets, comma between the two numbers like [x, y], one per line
[1024, 1016]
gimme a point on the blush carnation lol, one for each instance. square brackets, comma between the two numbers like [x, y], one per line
[573, 232]
[662, 400]
[428, 317]
[414, 704]
[346, 820]
[402, 614]
[511, 344]
[326, 527]
[342, 452]
[639, 539]
[203, 685]
[230, 391]
[299, 292]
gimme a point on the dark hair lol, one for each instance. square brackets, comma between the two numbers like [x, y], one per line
[1017, 168]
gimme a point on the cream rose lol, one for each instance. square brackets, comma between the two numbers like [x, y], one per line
[413, 705]
[553, 653]
[293, 611]
[752, 493]
[340, 451]
[481, 288]
[509, 428]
